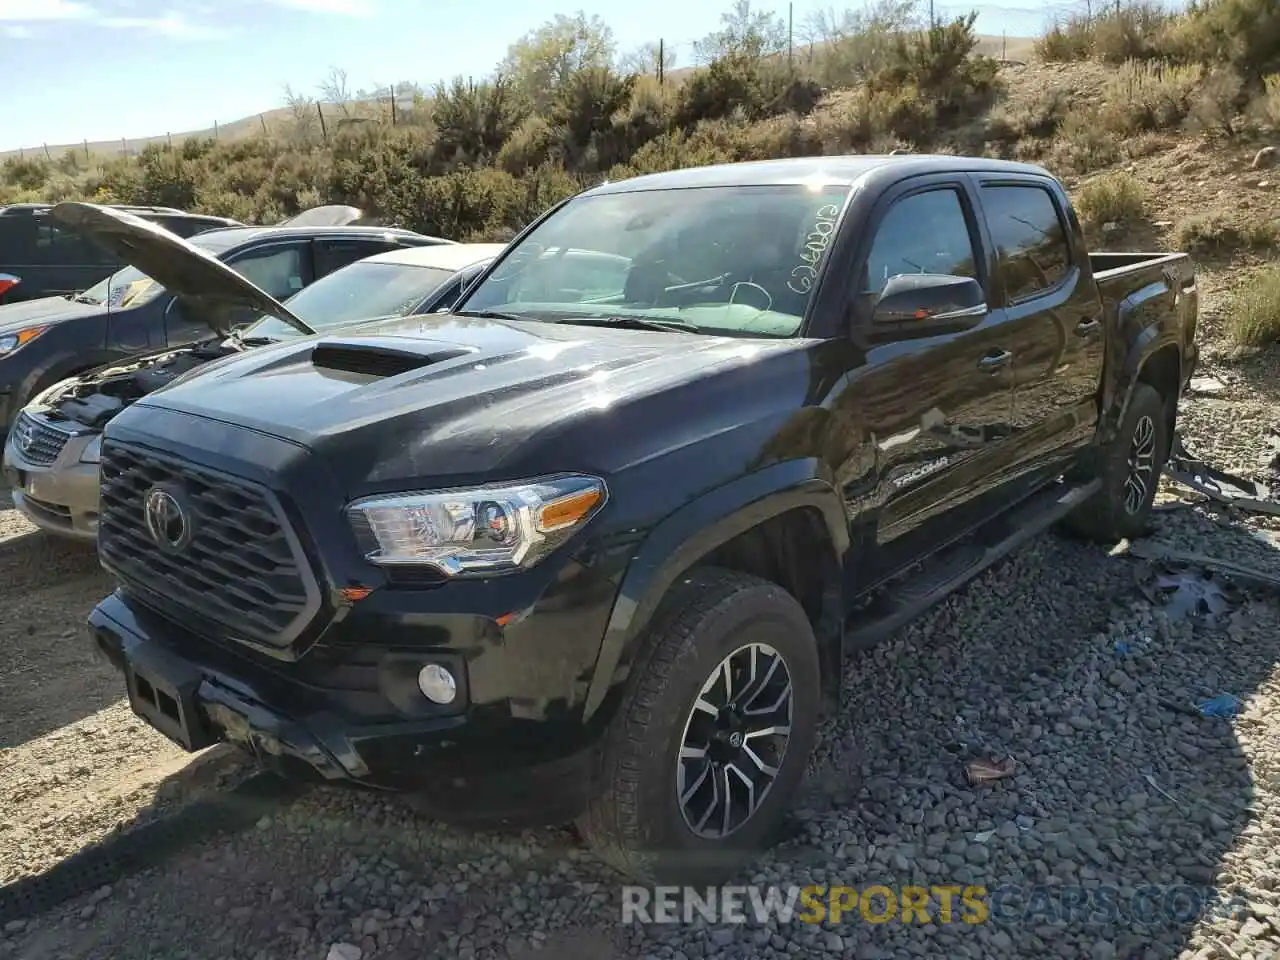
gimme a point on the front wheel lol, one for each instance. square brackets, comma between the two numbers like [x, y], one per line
[713, 734]
[1130, 469]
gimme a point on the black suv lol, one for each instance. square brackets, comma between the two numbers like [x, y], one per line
[39, 258]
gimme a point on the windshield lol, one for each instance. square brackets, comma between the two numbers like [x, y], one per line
[129, 287]
[360, 291]
[736, 260]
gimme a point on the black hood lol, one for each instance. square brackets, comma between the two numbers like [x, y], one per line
[207, 287]
[457, 396]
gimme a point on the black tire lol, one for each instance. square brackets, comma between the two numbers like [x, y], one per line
[1138, 451]
[634, 819]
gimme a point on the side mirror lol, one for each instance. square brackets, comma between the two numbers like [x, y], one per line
[929, 299]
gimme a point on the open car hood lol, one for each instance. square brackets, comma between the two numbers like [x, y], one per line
[207, 287]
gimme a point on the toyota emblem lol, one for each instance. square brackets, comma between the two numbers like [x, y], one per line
[166, 519]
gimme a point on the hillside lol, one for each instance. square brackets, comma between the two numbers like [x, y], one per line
[272, 120]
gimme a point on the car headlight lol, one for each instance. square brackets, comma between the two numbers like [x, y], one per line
[13, 341]
[476, 530]
[93, 451]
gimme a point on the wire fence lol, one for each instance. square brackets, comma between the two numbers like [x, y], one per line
[674, 56]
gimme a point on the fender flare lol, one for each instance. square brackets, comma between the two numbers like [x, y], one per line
[692, 531]
[1150, 340]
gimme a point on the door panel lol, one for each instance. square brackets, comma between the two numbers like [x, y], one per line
[930, 405]
[1054, 316]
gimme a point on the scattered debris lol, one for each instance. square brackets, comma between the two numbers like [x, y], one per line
[1161, 790]
[1186, 592]
[1225, 705]
[1186, 709]
[1206, 385]
[984, 836]
[1242, 575]
[1189, 470]
[1126, 647]
[985, 771]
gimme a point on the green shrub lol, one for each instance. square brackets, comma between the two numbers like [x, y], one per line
[1111, 198]
[1149, 95]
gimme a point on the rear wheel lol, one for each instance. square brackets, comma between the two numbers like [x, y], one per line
[1130, 470]
[713, 734]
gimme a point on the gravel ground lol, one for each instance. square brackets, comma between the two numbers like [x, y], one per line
[1055, 658]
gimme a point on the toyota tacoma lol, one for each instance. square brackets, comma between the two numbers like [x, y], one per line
[595, 544]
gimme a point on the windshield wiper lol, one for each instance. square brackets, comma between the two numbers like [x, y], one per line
[491, 315]
[632, 323]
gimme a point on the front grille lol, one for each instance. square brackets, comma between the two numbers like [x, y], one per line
[37, 441]
[240, 567]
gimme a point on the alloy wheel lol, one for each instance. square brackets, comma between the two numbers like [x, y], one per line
[1142, 460]
[735, 739]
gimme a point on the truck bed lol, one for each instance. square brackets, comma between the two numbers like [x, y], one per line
[1120, 275]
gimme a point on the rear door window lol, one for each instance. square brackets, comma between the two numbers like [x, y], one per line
[278, 269]
[331, 255]
[17, 240]
[1030, 236]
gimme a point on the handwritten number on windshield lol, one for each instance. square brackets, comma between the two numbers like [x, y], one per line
[815, 245]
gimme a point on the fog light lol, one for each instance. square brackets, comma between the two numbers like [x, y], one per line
[437, 683]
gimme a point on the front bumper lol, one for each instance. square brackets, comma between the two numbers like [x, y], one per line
[60, 497]
[466, 766]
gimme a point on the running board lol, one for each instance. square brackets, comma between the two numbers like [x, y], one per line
[902, 600]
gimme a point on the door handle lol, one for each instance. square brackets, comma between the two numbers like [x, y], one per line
[994, 361]
[1088, 326]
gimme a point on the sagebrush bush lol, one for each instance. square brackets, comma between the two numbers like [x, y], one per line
[1083, 144]
[1215, 233]
[1111, 198]
[1148, 95]
[1254, 317]
[479, 159]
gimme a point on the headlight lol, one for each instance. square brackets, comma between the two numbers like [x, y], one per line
[93, 452]
[12, 341]
[476, 530]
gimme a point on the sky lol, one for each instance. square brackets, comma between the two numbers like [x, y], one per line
[95, 70]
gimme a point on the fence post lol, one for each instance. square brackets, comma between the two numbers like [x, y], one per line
[324, 130]
[86, 149]
[662, 61]
[215, 129]
[263, 120]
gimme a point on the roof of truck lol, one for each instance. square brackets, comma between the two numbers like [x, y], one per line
[801, 170]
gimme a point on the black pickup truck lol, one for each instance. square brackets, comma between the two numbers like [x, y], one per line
[595, 544]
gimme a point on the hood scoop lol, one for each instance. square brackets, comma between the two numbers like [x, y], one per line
[379, 359]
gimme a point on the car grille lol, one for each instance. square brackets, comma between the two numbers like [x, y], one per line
[241, 568]
[37, 442]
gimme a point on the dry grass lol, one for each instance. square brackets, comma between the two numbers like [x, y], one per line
[1254, 319]
[1112, 198]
